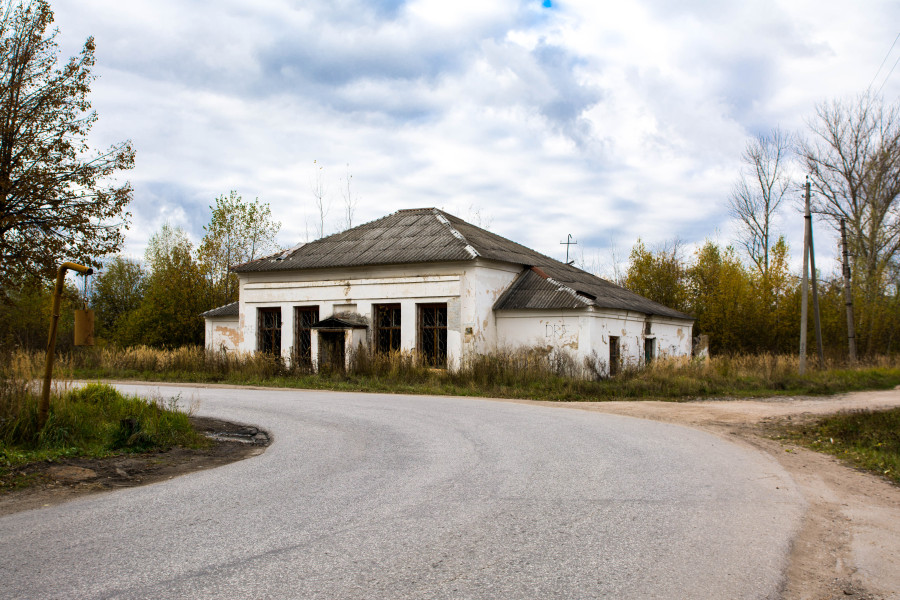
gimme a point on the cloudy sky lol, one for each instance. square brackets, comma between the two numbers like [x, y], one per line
[542, 118]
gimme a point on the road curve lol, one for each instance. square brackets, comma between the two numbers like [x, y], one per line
[383, 496]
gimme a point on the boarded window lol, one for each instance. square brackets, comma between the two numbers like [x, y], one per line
[614, 360]
[269, 327]
[304, 318]
[387, 328]
[433, 334]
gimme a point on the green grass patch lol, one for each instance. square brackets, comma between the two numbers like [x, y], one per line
[93, 421]
[869, 440]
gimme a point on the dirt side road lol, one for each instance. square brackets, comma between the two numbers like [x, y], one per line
[849, 546]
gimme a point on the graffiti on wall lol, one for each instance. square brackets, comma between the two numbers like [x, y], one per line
[553, 331]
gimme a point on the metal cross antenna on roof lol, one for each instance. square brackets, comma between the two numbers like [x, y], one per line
[568, 243]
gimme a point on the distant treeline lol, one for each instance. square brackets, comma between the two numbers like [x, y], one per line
[746, 311]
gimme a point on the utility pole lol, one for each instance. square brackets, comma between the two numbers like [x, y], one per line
[848, 296]
[815, 287]
[804, 286]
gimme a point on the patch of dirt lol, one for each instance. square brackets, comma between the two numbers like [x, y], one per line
[51, 483]
[848, 546]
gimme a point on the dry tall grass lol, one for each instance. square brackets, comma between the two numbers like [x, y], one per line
[528, 373]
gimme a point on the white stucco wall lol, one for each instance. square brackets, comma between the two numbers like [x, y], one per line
[585, 333]
[223, 332]
[469, 289]
[482, 284]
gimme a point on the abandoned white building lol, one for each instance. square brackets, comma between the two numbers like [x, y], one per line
[423, 280]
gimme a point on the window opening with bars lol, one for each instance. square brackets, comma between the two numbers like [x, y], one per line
[387, 328]
[304, 318]
[269, 326]
[433, 334]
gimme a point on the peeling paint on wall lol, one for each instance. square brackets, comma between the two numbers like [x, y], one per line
[232, 334]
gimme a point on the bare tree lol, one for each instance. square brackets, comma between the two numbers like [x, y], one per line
[478, 217]
[854, 164]
[759, 192]
[319, 191]
[853, 158]
[350, 199]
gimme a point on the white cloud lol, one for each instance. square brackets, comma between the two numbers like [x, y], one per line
[605, 120]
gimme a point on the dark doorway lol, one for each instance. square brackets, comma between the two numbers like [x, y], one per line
[649, 350]
[331, 350]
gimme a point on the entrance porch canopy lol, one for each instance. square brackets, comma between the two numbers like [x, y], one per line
[344, 321]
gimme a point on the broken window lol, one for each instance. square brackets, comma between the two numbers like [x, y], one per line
[433, 334]
[387, 328]
[614, 360]
[269, 327]
[304, 318]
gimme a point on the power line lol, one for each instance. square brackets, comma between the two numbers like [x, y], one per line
[884, 60]
[888, 75]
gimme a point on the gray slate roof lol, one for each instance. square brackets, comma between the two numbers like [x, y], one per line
[229, 310]
[431, 235]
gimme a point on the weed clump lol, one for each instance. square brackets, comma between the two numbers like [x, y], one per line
[93, 420]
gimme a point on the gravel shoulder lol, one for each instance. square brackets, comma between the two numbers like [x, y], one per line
[849, 544]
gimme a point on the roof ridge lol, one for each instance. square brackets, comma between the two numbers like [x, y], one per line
[561, 287]
[441, 216]
[515, 243]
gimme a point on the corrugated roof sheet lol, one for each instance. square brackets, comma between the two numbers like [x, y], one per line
[409, 236]
[229, 310]
[431, 235]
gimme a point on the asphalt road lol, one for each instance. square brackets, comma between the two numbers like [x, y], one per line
[379, 496]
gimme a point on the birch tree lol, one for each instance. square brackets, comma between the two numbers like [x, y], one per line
[350, 199]
[237, 232]
[759, 192]
[319, 191]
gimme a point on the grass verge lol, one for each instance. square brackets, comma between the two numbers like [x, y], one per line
[93, 421]
[869, 440]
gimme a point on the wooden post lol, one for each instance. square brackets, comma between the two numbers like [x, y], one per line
[44, 406]
[848, 294]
